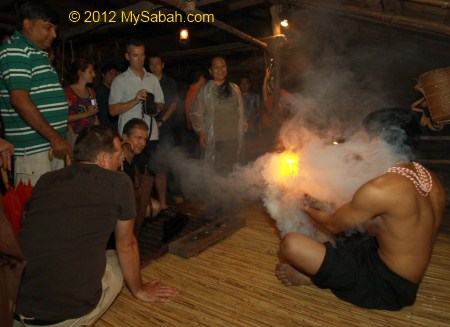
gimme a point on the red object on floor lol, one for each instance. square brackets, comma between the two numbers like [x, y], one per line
[14, 201]
[24, 191]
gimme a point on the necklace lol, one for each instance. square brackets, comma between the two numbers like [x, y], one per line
[421, 180]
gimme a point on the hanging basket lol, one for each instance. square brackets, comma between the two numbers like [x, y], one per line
[435, 104]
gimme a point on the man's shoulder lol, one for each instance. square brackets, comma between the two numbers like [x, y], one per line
[19, 45]
[13, 41]
[151, 77]
[76, 172]
[388, 188]
[15, 47]
[121, 77]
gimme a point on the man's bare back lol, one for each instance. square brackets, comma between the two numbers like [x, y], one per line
[407, 228]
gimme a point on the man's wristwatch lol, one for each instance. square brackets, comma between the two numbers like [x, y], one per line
[159, 120]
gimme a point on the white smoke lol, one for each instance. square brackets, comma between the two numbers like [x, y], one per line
[339, 87]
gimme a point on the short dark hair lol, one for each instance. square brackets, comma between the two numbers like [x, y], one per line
[398, 127]
[134, 43]
[107, 67]
[155, 55]
[34, 10]
[93, 140]
[134, 123]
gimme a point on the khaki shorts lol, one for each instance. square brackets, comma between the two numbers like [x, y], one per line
[112, 284]
[32, 167]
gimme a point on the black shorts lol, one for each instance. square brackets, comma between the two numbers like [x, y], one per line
[355, 273]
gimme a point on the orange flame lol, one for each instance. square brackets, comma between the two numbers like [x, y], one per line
[288, 165]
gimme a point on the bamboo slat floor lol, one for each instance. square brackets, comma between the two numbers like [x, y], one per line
[232, 283]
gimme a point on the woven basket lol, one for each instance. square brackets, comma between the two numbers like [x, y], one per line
[435, 87]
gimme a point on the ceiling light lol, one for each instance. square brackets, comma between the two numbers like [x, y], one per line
[184, 34]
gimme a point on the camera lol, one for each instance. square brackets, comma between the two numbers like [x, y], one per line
[149, 107]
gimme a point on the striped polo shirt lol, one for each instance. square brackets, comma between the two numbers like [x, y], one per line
[25, 67]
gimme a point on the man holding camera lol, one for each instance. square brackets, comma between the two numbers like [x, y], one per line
[129, 90]
[137, 93]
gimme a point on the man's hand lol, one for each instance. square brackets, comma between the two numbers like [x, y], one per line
[6, 152]
[119, 108]
[141, 95]
[61, 148]
[155, 291]
[310, 202]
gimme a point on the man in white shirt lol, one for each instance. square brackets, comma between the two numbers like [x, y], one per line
[130, 88]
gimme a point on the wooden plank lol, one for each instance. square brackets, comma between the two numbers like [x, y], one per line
[206, 236]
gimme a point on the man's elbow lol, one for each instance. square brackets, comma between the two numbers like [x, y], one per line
[113, 110]
[127, 245]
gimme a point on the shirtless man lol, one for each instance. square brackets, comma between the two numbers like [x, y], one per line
[401, 211]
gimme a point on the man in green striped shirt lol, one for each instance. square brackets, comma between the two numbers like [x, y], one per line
[33, 106]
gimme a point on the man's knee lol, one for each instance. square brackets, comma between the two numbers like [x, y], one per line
[290, 244]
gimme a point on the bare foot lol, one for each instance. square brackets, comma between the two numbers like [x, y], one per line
[290, 276]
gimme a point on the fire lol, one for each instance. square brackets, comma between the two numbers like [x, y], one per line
[288, 165]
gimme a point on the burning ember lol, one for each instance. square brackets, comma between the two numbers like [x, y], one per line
[288, 165]
[282, 171]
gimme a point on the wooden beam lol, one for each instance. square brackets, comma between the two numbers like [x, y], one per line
[436, 3]
[236, 46]
[200, 3]
[409, 23]
[244, 4]
[180, 4]
[392, 6]
[199, 240]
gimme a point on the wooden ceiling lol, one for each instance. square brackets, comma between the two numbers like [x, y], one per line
[248, 17]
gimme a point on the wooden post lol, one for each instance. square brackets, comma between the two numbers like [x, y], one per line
[275, 51]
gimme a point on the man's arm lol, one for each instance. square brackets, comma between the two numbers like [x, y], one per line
[369, 201]
[168, 113]
[128, 255]
[20, 100]
[6, 152]
[120, 108]
[116, 104]
[171, 99]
